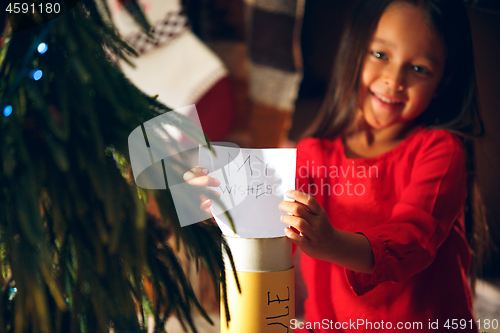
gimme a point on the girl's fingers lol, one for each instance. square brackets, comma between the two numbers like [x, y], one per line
[307, 200]
[198, 177]
[298, 223]
[195, 172]
[205, 205]
[293, 236]
[204, 181]
[295, 208]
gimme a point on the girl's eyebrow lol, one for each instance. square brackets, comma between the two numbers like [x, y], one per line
[382, 41]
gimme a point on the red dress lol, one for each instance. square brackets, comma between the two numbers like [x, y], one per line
[409, 203]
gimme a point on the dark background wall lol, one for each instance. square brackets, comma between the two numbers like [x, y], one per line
[485, 26]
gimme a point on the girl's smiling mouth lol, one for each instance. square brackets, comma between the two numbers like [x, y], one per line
[386, 99]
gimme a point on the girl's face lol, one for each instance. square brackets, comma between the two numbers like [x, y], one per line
[403, 68]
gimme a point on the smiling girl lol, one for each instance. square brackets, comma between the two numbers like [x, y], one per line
[402, 89]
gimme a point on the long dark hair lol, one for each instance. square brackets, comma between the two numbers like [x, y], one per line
[454, 109]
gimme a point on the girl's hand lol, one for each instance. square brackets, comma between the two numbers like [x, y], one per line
[316, 235]
[198, 177]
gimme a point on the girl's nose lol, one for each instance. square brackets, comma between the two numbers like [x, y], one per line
[394, 78]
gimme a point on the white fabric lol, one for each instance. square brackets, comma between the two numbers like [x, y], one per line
[180, 72]
[154, 9]
[274, 87]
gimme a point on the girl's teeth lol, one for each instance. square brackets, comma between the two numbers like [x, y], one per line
[386, 100]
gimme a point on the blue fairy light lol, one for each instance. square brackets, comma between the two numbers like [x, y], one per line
[7, 111]
[36, 74]
[42, 48]
[13, 292]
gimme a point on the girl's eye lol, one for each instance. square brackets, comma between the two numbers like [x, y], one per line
[379, 55]
[420, 69]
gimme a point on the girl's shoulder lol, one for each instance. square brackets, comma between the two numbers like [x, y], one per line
[438, 140]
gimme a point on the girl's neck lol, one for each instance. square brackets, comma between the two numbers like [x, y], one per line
[362, 140]
[374, 136]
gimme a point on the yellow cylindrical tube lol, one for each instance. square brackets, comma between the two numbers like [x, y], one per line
[266, 275]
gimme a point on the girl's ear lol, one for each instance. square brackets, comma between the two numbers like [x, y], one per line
[442, 86]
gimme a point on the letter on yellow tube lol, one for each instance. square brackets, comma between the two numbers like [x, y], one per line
[266, 303]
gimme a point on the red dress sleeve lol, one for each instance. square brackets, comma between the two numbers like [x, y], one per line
[302, 168]
[306, 151]
[420, 222]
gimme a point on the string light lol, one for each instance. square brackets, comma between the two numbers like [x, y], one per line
[36, 74]
[42, 48]
[13, 292]
[7, 111]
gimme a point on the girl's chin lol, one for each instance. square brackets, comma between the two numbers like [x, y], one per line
[378, 122]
